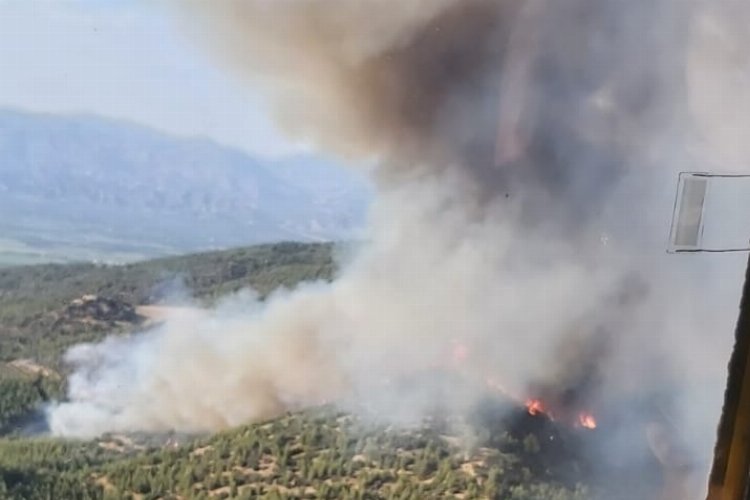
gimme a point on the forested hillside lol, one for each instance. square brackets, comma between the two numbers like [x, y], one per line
[504, 452]
[42, 311]
[314, 454]
[34, 299]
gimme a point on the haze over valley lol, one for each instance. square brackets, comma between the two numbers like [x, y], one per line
[88, 188]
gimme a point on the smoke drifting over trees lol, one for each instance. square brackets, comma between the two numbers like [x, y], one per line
[525, 155]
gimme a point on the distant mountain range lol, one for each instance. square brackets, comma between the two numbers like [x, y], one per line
[85, 187]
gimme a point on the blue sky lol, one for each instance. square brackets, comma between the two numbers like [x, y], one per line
[125, 59]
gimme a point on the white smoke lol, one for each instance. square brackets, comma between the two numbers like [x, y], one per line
[510, 260]
[378, 321]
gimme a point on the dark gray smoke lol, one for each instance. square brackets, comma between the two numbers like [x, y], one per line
[525, 155]
[515, 96]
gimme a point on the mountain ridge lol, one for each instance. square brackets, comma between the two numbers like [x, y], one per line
[80, 181]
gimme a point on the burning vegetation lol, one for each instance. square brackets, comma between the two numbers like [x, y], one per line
[519, 150]
[584, 419]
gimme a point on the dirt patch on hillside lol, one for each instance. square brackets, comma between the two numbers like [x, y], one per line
[157, 314]
[31, 367]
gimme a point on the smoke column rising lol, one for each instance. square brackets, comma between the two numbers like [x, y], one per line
[526, 156]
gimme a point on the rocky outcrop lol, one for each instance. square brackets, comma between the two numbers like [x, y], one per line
[95, 308]
[92, 312]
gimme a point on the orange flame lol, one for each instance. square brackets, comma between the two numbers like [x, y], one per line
[587, 420]
[535, 406]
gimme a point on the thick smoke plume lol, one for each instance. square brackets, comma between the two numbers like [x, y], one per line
[525, 153]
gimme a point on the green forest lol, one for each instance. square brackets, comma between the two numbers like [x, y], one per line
[314, 454]
[317, 453]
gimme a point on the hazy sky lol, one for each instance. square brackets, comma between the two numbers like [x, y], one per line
[125, 59]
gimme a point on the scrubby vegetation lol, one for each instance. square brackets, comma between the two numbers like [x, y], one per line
[21, 393]
[34, 299]
[313, 454]
[316, 454]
